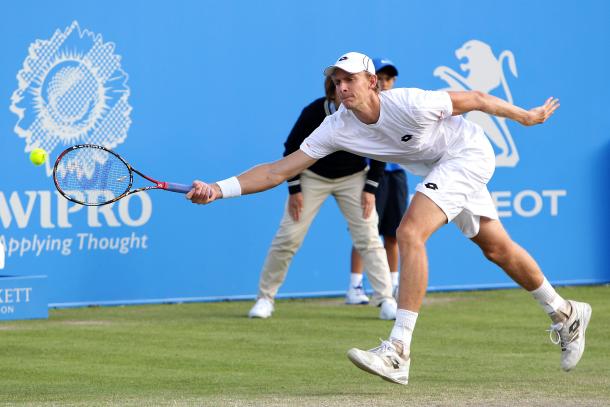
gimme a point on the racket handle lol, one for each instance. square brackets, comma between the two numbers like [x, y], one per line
[170, 186]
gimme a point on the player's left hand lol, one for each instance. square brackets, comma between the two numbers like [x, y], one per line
[203, 193]
[368, 204]
[540, 114]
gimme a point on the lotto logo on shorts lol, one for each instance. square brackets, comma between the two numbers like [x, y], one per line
[431, 185]
[71, 89]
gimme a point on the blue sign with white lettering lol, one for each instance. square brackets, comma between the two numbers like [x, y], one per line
[23, 297]
[200, 90]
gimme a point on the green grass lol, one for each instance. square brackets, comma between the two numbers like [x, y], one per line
[469, 348]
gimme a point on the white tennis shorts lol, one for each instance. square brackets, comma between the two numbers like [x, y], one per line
[457, 183]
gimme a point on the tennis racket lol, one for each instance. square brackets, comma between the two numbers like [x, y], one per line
[94, 175]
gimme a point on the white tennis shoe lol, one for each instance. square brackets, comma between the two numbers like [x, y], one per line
[356, 296]
[570, 334]
[385, 361]
[262, 309]
[388, 309]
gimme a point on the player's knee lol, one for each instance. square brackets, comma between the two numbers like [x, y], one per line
[498, 253]
[407, 236]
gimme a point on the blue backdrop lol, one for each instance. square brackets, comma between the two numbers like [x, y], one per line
[205, 89]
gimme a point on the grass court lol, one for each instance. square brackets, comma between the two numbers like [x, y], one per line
[470, 348]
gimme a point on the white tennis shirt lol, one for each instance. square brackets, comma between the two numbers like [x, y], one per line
[415, 129]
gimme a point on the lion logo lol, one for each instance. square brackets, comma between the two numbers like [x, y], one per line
[485, 73]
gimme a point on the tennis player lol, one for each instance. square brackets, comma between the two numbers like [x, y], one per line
[425, 132]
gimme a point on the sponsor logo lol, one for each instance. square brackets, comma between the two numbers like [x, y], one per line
[528, 203]
[574, 326]
[71, 90]
[15, 295]
[483, 71]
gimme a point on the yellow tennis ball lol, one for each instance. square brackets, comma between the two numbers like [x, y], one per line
[38, 156]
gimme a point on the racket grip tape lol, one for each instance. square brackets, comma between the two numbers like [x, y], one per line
[170, 186]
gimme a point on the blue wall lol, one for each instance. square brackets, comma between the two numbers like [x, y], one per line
[206, 89]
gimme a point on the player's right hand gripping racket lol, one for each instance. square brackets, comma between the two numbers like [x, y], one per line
[94, 175]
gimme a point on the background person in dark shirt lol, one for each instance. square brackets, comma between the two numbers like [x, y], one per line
[344, 176]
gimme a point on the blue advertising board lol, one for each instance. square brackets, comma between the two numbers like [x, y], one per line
[23, 297]
[190, 90]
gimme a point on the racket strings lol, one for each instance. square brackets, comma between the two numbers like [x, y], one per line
[92, 176]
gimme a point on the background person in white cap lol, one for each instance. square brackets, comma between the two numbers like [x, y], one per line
[345, 177]
[390, 199]
[425, 132]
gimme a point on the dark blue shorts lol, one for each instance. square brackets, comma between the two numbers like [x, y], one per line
[391, 201]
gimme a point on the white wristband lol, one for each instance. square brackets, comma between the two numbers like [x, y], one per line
[229, 187]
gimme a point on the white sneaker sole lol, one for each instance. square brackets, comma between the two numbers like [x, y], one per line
[354, 356]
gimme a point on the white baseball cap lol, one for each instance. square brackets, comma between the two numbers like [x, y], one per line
[352, 62]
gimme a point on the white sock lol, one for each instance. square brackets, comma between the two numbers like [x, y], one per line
[355, 279]
[548, 298]
[394, 276]
[403, 327]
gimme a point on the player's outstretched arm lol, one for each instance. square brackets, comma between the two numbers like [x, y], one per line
[257, 179]
[266, 176]
[464, 102]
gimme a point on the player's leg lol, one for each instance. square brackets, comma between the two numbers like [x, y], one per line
[570, 318]
[391, 360]
[499, 248]
[440, 197]
[365, 237]
[287, 241]
[422, 219]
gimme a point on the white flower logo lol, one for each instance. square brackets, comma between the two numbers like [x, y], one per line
[71, 90]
